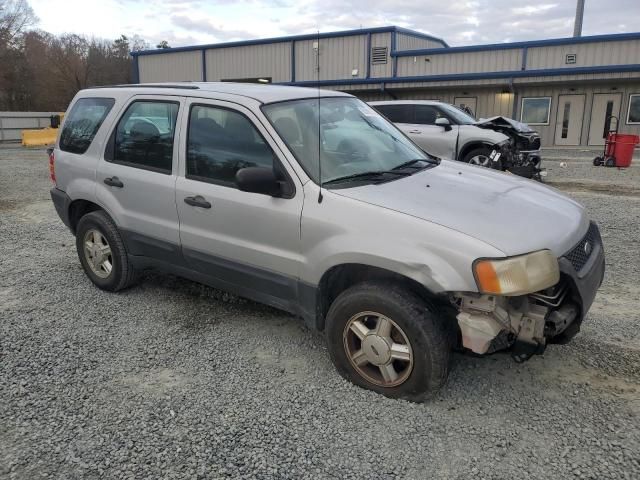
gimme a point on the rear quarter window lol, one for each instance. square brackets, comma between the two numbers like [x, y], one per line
[83, 122]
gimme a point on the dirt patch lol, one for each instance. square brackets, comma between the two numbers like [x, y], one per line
[156, 382]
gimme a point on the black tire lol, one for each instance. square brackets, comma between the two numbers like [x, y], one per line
[485, 152]
[597, 161]
[426, 332]
[122, 273]
[610, 162]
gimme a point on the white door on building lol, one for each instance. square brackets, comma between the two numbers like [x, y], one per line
[569, 119]
[604, 105]
[468, 102]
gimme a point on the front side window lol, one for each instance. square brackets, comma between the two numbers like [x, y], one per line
[144, 136]
[456, 114]
[220, 142]
[535, 111]
[633, 115]
[83, 123]
[350, 138]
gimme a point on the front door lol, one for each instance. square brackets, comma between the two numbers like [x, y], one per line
[569, 119]
[604, 106]
[246, 242]
[467, 103]
[434, 139]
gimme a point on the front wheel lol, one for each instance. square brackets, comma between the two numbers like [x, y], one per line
[481, 157]
[386, 339]
[102, 252]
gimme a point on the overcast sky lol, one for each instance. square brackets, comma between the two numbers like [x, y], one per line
[190, 22]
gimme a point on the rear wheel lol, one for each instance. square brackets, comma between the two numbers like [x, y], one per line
[102, 252]
[597, 161]
[386, 339]
[610, 162]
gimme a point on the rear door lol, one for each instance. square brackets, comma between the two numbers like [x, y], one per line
[136, 177]
[248, 242]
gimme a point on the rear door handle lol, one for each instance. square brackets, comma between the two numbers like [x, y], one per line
[197, 201]
[113, 182]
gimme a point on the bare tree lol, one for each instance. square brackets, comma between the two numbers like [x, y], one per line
[15, 17]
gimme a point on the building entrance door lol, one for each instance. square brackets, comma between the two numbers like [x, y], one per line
[604, 105]
[569, 119]
[468, 102]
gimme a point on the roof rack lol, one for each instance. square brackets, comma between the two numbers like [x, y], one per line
[149, 85]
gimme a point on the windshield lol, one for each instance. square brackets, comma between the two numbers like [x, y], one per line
[351, 139]
[459, 116]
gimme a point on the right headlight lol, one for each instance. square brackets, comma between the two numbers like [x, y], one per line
[517, 275]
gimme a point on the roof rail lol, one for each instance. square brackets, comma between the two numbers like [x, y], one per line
[149, 85]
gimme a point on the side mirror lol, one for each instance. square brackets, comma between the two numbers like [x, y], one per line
[262, 180]
[443, 122]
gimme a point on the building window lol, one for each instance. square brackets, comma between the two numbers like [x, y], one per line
[570, 58]
[535, 110]
[633, 115]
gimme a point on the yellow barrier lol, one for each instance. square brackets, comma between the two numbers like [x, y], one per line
[43, 136]
[40, 136]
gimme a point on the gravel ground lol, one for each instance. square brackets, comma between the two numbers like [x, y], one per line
[171, 379]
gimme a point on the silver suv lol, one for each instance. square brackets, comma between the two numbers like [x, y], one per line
[315, 204]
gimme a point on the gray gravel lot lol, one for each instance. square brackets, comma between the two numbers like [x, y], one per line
[171, 379]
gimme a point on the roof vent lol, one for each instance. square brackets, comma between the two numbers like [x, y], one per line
[378, 55]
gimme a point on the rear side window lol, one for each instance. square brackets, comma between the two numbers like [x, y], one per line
[83, 123]
[144, 136]
[220, 142]
[397, 113]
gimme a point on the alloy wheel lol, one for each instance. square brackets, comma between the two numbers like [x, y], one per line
[378, 349]
[97, 253]
[480, 160]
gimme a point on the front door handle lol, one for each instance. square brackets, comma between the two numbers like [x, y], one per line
[113, 182]
[415, 131]
[197, 201]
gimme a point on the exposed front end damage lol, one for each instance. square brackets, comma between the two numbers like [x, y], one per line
[528, 323]
[523, 155]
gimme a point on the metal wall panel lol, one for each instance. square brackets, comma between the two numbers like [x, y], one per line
[547, 132]
[270, 60]
[12, 123]
[464, 62]
[587, 54]
[339, 56]
[382, 70]
[170, 67]
[409, 42]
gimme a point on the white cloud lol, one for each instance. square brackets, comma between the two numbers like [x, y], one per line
[459, 22]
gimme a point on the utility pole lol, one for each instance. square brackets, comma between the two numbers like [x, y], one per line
[577, 27]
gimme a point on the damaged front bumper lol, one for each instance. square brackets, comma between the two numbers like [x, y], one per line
[527, 323]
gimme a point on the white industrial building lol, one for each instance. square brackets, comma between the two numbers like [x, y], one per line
[566, 88]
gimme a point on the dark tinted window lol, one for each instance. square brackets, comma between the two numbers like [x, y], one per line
[144, 136]
[220, 142]
[427, 114]
[397, 113]
[83, 123]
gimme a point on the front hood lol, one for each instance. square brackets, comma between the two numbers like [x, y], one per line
[512, 214]
[500, 121]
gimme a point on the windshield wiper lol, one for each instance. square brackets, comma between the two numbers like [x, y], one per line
[365, 175]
